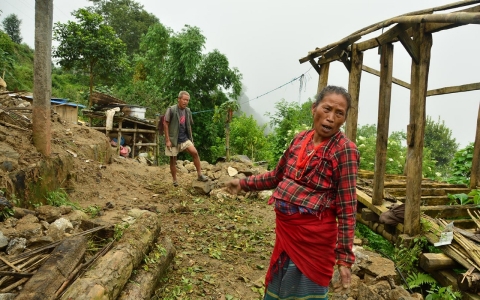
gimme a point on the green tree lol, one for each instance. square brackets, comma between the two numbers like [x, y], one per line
[288, 120]
[174, 61]
[7, 53]
[438, 138]
[462, 166]
[128, 18]
[89, 46]
[11, 25]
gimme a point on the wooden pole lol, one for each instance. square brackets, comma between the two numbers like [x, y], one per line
[384, 101]
[323, 77]
[42, 77]
[416, 130]
[475, 173]
[354, 89]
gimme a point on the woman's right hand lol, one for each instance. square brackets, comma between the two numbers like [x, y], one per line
[233, 186]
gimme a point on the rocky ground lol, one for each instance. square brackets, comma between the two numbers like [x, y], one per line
[222, 243]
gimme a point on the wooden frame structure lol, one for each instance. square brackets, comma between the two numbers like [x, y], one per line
[414, 31]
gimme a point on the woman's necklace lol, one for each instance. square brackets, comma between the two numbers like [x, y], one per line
[304, 158]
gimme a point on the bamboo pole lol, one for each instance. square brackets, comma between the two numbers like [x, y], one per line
[379, 25]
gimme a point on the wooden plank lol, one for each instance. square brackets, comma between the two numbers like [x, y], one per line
[394, 80]
[436, 261]
[429, 191]
[446, 278]
[384, 101]
[369, 215]
[324, 60]
[354, 78]
[455, 89]
[323, 77]
[416, 129]
[475, 173]
[448, 211]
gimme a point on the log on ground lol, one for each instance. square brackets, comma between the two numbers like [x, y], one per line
[55, 270]
[111, 272]
[143, 284]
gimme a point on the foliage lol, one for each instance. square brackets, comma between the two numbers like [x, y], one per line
[16, 63]
[406, 256]
[246, 138]
[60, 198]
[288, 120]
[6, 212]
[443, 293]
[374, 241]
[11, 25]
[90, 46]
[93, 210]
[396, 152]
[462, 166]
[170, 62]
[438, 138]
[416, 280]
[463, 199]
[128, 18]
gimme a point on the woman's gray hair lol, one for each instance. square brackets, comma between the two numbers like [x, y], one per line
[333, 89]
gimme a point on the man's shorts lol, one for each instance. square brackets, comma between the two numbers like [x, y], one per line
[173, 151]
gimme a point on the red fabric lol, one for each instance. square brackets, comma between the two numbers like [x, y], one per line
[310, 243]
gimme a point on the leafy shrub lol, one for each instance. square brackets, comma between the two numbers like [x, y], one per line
[462, 166]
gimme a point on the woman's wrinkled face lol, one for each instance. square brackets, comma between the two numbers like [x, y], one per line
[329, 115]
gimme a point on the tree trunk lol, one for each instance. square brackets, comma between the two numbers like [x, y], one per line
[42, 79]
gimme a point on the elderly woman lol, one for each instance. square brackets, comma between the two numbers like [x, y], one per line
[315, 204]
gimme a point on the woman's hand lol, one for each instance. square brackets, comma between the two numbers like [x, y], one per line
[233, 186]
[345, 278]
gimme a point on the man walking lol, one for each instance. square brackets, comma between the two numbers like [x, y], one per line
[178, 135]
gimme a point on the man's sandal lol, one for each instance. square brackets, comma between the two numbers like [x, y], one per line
[175, 184]
[202, 178]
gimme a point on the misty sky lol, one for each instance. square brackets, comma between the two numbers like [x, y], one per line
[265, 40]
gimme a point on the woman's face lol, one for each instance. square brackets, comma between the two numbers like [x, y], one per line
[329, 115]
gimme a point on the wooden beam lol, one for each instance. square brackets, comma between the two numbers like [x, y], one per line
[416, 130]
[436, 261]
[346, 62]
[389, 35]
[436, 27]
[354, 78]
[323, 77]
[475, 173]
[394, 80]
[429, 28]
[455, 89]
[315, 66]
[379, 25]
[384, 101]
[453, 17]
[326, 60]
[409, 45]
[335, 49]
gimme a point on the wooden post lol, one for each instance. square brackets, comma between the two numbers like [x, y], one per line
[323, 77]
[119, 136]
[384, 100]
[354, 89]
[42, 78]
[475, 173]
[416, 130]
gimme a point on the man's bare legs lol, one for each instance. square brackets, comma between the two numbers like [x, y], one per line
[196, 159]
[173, 168]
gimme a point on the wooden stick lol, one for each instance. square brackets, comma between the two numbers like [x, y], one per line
[9, 264]
[13, 126]
[15, 274]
